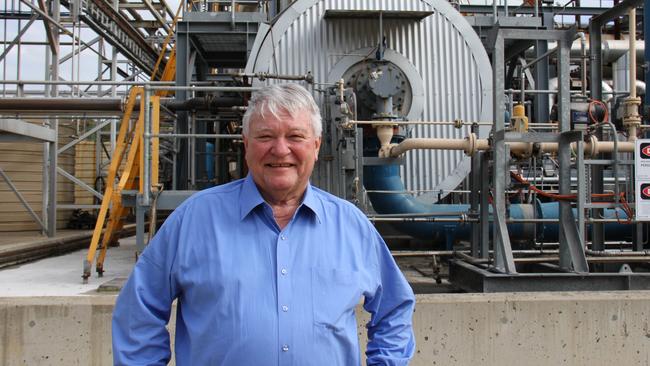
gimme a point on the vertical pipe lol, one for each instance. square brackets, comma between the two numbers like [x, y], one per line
[146, 148]
[595, 90]
[116, 6]
[100, 66]
[18, 46]
[646, 37]
[583, 63]
[4, 61]
[52, 163]
[632, 52]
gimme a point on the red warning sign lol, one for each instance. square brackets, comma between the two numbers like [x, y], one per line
[645, 151]
[645, 191]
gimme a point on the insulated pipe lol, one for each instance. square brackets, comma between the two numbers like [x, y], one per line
[387, 178]
[632, 120]
[49, 105]
[472, 144]
[612, 49]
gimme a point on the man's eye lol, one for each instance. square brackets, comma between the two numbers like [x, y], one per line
[264, 137]
[297, 137]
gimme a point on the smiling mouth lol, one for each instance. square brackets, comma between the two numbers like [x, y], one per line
[280, 165]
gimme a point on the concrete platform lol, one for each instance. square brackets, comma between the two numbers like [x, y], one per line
[61, 275]
[451, 329]
[48, 317]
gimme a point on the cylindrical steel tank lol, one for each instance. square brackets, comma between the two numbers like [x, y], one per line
[447, 69]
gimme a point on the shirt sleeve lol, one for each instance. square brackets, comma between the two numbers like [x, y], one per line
[142, 310]
[390, 329]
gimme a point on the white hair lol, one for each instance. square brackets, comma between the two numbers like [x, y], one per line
[282, 98]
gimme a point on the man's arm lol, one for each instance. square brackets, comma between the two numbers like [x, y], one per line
[390, 331]
[142, 310]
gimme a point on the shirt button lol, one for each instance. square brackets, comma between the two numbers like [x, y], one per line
[283, 237]
[284, 271]
[285, 308]
[285, 348]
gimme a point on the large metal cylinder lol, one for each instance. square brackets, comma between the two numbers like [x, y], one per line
[444, 63]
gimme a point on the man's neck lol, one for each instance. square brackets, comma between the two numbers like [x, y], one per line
[284, 205]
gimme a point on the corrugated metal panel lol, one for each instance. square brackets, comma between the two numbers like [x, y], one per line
[23, 163]
[84, 167]
[444, 49]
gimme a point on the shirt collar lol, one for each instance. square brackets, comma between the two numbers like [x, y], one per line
[250, 198]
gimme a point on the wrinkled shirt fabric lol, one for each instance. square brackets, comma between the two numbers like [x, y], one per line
[250, 293]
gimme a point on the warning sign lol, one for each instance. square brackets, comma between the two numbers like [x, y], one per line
[642, 179]
[642, 159]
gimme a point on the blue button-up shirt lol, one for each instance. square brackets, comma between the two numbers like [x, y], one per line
[250, 293]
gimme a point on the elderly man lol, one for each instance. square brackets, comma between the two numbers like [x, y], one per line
[267, 270]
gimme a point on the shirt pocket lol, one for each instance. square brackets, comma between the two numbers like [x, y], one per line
[335, 294]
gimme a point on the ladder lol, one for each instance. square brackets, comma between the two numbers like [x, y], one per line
[112, 212]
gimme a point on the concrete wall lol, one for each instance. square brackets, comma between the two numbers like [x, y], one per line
[604, 328]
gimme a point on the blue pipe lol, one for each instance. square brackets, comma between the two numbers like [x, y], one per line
[387, 178]
[209, 160]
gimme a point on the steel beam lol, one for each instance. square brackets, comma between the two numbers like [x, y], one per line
[473, 278]
[488, 9]
[22, 200]
[79, 182]
[52, 162]
[500, 238]
[83, 136]
[52, 35]
[16, 128]
[83, 47]
[18, 36]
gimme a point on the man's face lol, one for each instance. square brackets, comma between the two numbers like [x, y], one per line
[281, 152]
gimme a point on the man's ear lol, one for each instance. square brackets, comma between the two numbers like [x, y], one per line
[317, 147]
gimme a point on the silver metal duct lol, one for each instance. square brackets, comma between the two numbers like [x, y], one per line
[443, 58]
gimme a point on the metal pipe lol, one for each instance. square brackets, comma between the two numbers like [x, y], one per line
[49, 105]
[471, 144]
[646, 37]
[193, 84]
[610, 253]
[632, 40]
[632, 120]
[198, 135]
[420, 219]
[406, 123]
[146, 149]
[583, 63]
[308, 77]
[246, 89]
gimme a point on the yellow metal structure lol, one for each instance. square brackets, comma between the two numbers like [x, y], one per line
[131, 140]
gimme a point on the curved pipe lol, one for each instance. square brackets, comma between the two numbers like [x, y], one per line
[387, 178]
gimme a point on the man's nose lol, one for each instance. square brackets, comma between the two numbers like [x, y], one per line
[281, 147]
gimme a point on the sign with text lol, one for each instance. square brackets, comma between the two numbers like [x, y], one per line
[642, 179]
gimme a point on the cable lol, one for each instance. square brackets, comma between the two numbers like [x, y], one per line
[593, 119]
[572, 197]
